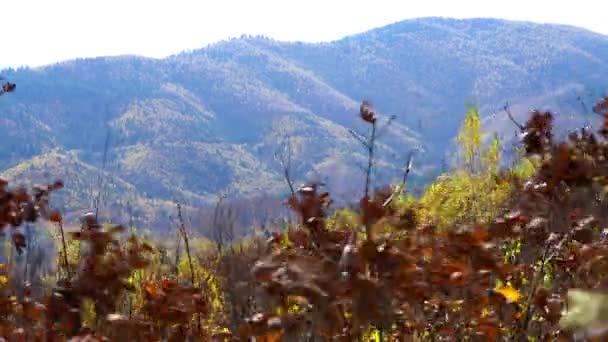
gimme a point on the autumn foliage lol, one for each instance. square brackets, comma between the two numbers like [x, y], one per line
[507, 279]
[393, 275]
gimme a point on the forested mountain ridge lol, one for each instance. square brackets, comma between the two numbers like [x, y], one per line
[209, 121]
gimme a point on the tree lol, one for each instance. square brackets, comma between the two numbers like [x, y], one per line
[492, 156]
[469, 139]
[472, 192]
[223, 224]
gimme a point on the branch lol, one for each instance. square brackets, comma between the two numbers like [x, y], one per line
[285, 161]
[384, 127]
[406, 171]
[217, 233]
[508, 111]
[100, 180]
[182, 228]
[359, 137]
[583, 104]
[370, 159]
[408, 167]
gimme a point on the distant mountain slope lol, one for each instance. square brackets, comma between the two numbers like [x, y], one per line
[431, 68]
[198, 124]
[118, 200]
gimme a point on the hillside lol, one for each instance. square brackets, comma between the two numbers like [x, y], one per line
[119, 200]
[208, 122]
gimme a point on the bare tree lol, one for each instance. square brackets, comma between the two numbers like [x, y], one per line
[284, 155]
[223, 223]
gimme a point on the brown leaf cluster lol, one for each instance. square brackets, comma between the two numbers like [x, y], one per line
[502, 281]
[366, 112]
[7, 87]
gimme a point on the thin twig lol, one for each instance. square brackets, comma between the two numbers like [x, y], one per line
[182, 228]
[583, 104]
[284, 158]
[548, 254]
[359, 137]
[507, 109]
[217, 232]
[536, 282]
[370, 159]
[101, 172]
[384, 128]
[406, 171]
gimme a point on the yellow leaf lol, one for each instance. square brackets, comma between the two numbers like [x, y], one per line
[3, 280]
[510, 293]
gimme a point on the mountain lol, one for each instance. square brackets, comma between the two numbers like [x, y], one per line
[207, 122]
[83, 182]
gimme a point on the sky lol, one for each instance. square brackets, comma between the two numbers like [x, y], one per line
[39, 32]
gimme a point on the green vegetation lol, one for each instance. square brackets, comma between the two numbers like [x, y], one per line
[474, 192]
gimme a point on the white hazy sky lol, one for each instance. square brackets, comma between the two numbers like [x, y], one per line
[37, 32]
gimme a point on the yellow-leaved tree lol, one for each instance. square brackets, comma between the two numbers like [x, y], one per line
[469, 139]
[473, 192]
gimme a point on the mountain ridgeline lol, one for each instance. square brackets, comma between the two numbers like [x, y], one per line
[146, 132]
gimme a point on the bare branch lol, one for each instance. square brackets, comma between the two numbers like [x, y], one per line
[359, 137]
[284, 155]
[406, 171]
[507, 109]
[100, 179]
[182, 227]
[370, 159]
[384, 128]
[408, 167]
[583, 104]
[223, 224]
